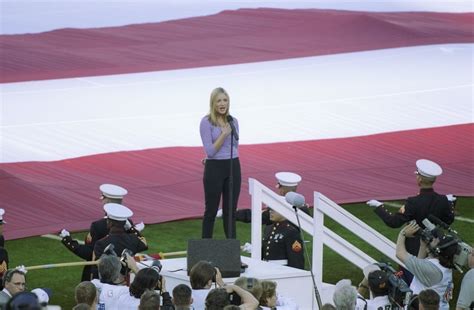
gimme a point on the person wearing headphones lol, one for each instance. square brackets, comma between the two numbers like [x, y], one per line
[433, 266]
[427, 202]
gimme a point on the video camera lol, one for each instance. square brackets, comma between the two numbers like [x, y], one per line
[399, 293]
[431, 231]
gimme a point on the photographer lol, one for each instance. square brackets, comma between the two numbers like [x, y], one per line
[111, 284]
[433, 266]
[218, 298]
[146, 279]
[201, 276]
[377, 283]
[418, 207]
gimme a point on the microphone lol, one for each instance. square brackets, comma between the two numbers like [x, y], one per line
[430, 226]
[295, 199]
[437, 221]
[230, 119]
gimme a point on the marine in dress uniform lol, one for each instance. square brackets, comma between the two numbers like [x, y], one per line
[98, 229]
[282, 243]
[286, 182]
[117, 216]
[419, 207]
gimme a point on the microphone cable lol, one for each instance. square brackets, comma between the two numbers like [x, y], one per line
[316, 292]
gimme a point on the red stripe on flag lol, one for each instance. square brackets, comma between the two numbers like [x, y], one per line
[166, 184]
[230, 37]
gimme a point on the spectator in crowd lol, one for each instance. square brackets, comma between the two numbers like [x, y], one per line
[98, 229]
[182, 297]
[86, 293]
[83, 306]
[270, 299]
[418, 207]
[117, 215]
[433, 266]
[145, 279]
[428, 300]
[23, 301]
[111, 284]
[3, 251]
[345, 295]
[150, 300]
[218, 298]
[14, 282]
[201, 276]
[466, 293]
[44, 295]
[251, 285]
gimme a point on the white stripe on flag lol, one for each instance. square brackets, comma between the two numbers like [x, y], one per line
[311, 98]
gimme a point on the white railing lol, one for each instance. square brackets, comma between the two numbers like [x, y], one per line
[315, 226]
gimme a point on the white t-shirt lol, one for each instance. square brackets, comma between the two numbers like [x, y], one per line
[379, 303]
[285, 303]
[199, 298]
[466, 294]
[444, 288]
[128, 302]
[109, 295]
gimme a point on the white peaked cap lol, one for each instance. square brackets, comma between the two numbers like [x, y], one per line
[117, 211]
[288, 178]
[113, 191]
[428, 169]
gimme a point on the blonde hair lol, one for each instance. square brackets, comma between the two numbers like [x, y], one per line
[251, 285]
[268, 291]
[212, 112]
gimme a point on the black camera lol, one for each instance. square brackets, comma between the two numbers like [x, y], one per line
[157, 266]
[429, 232]
[234, 299]
[460, 259]
[399, 293]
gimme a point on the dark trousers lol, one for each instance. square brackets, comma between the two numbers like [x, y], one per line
[216, 184]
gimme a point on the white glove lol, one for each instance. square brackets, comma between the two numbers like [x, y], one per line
[21, 268]
[219, 213]
[247, 248]
[374, 203]
[140, 226]
[64, 233]
[451, 197]
[127, 225]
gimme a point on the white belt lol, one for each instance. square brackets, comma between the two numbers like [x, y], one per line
[282, 262]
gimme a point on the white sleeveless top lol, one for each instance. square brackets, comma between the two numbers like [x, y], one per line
[444, 288]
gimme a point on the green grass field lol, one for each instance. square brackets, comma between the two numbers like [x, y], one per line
[173, 236]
